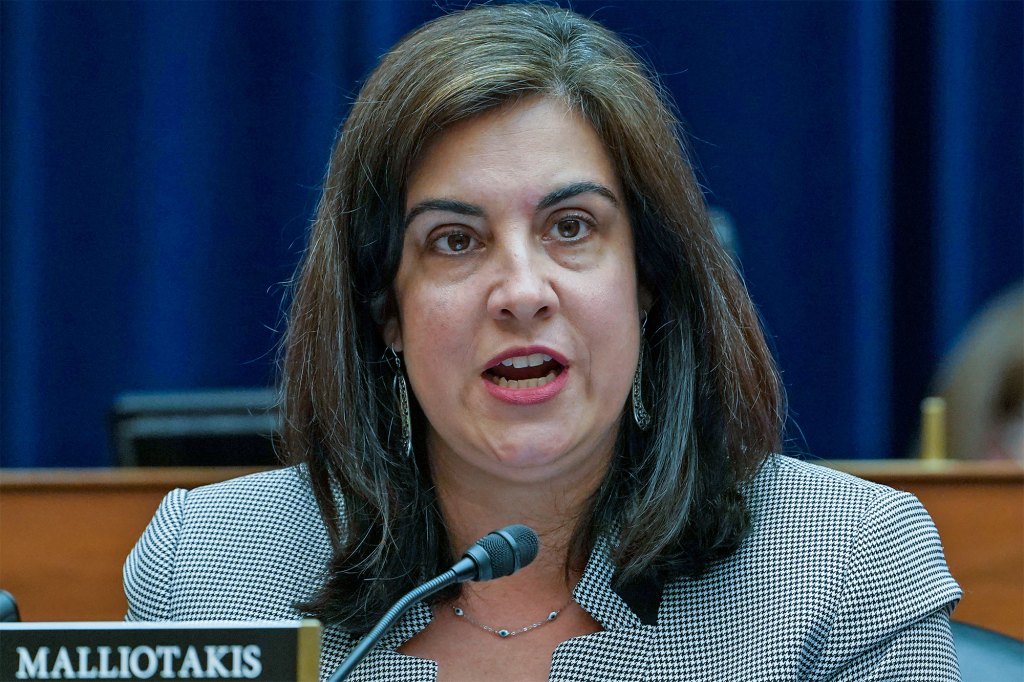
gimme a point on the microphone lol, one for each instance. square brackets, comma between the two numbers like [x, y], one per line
[496, 555]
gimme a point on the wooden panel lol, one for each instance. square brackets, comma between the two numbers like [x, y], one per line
[64, 534]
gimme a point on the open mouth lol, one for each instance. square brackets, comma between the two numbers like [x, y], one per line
[525, 371]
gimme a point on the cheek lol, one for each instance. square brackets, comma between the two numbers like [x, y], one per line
[434, 333]
[428, 310]
[615, 299]
[612, 326]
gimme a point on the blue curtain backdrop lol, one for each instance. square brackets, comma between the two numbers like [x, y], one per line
[160, 164]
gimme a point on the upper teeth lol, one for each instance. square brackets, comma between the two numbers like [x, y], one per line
[527, 360]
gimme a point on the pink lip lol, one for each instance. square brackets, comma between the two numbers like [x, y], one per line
[527, 396]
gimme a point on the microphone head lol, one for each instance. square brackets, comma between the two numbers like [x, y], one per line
[506, 550]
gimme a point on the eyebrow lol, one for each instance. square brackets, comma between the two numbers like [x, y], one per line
[449, 205]
[550, 199]
[575, 189]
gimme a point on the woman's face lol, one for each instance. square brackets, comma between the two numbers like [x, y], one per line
[517, 295]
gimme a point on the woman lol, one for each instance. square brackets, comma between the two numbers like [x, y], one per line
[513, 310]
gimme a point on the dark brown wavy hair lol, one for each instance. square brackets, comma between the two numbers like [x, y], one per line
[716, 400]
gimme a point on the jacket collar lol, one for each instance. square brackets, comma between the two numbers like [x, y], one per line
[616, 606]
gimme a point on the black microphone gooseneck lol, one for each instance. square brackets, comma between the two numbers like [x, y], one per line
[496, 555]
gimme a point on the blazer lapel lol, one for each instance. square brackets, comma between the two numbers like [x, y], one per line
[621, 655]
[383, 663]
[622, 650]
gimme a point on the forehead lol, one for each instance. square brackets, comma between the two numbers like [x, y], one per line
[523, 149]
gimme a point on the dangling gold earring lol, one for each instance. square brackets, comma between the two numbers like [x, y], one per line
[402, 396]
[640, 414]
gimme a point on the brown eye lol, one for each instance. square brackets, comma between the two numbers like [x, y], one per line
[569, 228]
[453, 242]
[457, 241]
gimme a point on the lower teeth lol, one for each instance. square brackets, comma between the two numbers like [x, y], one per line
[524, 383]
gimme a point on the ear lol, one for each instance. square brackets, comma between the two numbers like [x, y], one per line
[392, 332]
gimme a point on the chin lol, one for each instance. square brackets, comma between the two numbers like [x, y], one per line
[528, 457]
[539, 458]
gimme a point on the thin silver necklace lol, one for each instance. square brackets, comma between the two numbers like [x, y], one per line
[505, 633]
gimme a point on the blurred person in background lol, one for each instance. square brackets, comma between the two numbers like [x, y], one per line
[982, 383]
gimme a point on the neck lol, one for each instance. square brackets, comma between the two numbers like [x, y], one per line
[475, 502]
[473, 506]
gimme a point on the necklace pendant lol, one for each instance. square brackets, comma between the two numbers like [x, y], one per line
[504, 633]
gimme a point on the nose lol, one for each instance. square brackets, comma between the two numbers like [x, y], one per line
[523, 288]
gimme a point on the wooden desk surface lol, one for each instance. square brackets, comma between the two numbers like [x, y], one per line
[64, 533]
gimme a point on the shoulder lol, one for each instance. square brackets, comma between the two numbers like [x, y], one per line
[259, 498]
[808, 483]
[832, 567]
[245, 548]
[826, 520]
[803, 509]
[820, 511]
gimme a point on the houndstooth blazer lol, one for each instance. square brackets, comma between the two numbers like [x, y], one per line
[839, 579]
